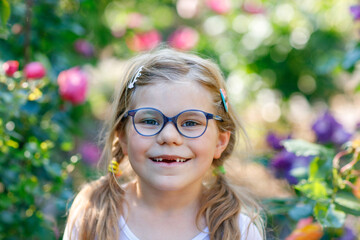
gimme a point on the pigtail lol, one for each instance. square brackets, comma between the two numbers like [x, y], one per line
[96, 210]
[221, 207]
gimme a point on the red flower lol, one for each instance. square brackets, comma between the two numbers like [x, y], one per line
[34, 70]
[10, 67]
[144, 41]
[219, 6]
[184, 38]
[73, 85]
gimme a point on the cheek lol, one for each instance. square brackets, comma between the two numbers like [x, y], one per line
[137, 144]
[205, 147]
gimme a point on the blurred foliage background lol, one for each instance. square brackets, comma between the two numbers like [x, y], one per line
[292, 73]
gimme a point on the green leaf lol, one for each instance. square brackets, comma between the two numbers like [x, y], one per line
[315, 190]
[301, 211]
[4, 32]
[351, 58]
[357, 89]
[319, 168]
[348, 203]
[4, 12]
[328, 216]
[304, 148]
[279, 206]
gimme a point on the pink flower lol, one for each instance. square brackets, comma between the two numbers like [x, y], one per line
[144, 41]
[90, 153]
[10, 67]
[253, 8]
[73, 85]
[219, 6]
[134, 20]
[84, 48]
[34, 70]
[184, 38]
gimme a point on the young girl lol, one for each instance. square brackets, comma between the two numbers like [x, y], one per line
[172, 122]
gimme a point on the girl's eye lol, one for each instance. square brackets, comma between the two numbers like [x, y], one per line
[150, 122]
[190, 123]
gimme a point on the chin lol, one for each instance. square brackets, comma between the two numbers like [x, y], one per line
[169, 184]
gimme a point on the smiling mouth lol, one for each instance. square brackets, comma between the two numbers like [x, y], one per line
[169, 160]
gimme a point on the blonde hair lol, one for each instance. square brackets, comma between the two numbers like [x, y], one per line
[98, 206]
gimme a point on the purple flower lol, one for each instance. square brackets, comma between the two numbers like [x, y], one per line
[285, 161]
[282, 163]
[274, 140]
[90, 153]
[340, 136]
[84, 48]
[328, 130]
[355, 11]
[358, 126]
[348, 234]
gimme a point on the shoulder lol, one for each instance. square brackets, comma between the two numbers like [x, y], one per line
[248, 229]
[70, 232]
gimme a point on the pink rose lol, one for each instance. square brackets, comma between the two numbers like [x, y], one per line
[219, 6]
[144, 41]
[34, 70]
[73, 85]
[10, 67]
[253, 8]
[184, 38]
[134, 20]
[84, 48]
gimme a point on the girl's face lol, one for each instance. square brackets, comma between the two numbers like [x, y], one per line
[145, 153]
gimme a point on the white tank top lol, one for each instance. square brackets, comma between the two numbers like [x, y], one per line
[247, 232]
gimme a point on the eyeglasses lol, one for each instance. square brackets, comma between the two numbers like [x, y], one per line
[190, 123]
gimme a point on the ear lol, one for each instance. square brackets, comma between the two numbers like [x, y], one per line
[123, 142]
[222, 142]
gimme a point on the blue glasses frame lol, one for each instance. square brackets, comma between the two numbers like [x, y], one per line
[171, 119]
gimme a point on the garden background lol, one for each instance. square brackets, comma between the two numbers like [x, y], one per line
[293, 75]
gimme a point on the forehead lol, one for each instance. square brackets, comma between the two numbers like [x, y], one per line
[173, 97]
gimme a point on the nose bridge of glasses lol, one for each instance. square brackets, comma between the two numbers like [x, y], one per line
[170, 119]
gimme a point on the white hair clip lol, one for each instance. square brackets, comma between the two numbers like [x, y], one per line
[135, 77]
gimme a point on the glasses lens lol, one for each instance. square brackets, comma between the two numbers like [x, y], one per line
[192, 123]
[148, 121]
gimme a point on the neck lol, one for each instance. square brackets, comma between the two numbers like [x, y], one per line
[167, 202]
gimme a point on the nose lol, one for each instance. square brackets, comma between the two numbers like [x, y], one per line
[170, 135]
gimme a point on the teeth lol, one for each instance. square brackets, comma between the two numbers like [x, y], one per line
[177, 160]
